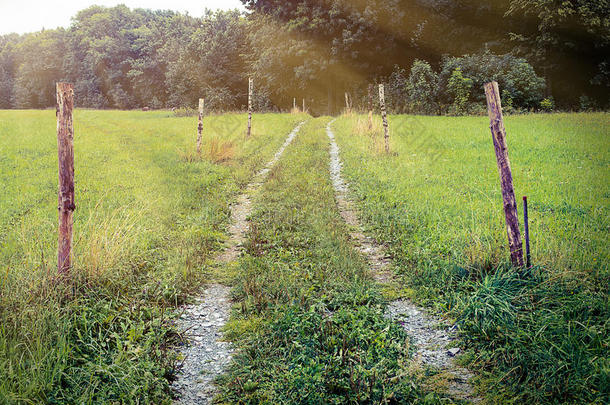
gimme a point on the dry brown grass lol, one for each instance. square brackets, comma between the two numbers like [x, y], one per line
[483, 254]
[105, 242]
[374, 132]
[214, 150]
[363, 127]
[189, 154]
[219, 151]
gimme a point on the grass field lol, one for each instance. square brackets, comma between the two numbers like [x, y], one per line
[149, 215]
[539, 335]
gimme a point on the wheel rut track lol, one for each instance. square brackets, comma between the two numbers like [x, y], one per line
[431, 335]
[207, 356]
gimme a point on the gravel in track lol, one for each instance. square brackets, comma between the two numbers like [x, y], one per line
[433, 337]
[207, 355]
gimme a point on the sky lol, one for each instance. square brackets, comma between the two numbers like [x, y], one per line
[23, 16]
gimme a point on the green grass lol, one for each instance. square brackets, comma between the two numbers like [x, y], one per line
[539, 335]
[150, 214]
[308, 319]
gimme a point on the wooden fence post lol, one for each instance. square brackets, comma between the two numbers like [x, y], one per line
[370, 106]
[347, 106]
[200, 126]
[294, 103]
[498, 133]
[250, 90]
[65, 154]
[384, 117]
[303, 105]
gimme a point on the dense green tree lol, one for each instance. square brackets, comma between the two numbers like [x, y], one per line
[396, 93]
[211, 64]
[103, 47]
[422, 89]
[283, 65]
[158, 46]
[331, 46]
[569, 41]
[514, 75]
[315, 49]
[40, 59]
[8, 68]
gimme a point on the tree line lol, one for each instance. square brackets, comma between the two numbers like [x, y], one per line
[433, 55]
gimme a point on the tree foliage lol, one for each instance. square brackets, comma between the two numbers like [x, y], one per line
[515, 76]
[422, 88]
[568, 40]
[316, 49]
[210, 65]
[459, 90]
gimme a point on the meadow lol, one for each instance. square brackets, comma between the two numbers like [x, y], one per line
[538, 334]
[150, 213]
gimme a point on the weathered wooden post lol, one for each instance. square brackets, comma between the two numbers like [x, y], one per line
[250, 90]
[294, 103]
[528, 257]
[65, 154]
[200, 126]
[498, 133]
[370, 107]
[303, 105]
[384, 117]
[347, 106]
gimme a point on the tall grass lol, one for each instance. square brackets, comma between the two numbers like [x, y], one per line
[541, 335]
[146, 225]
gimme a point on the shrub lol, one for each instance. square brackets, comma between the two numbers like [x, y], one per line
[586, 103]
[185, 112]
[396, 91]
[422, 88]
[459, 88]
[507, 102]
[514, 75]
[480, 109]
[547, 105]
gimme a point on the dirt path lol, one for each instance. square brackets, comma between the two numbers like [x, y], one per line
[207, 355]
[434, 337]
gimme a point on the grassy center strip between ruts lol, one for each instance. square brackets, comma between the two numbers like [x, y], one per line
[150, 216]
[308, 323]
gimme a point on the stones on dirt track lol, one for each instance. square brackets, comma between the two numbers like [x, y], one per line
[431, 335]
[207, 356]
